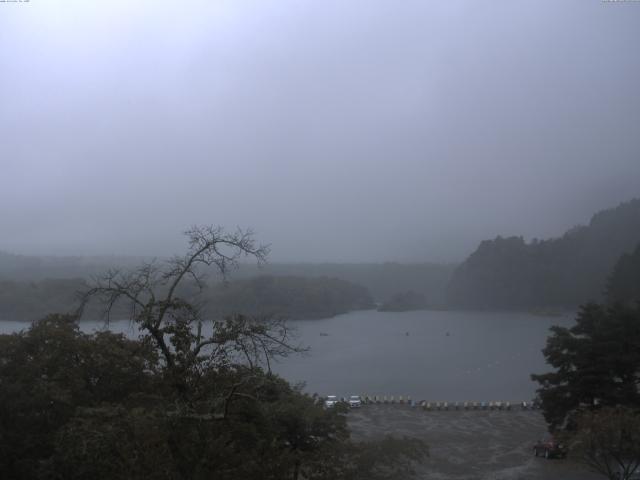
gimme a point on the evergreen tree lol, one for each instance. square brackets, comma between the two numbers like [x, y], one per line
[597, 363]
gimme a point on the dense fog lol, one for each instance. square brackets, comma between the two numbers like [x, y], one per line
[339, 131]
[322, 240]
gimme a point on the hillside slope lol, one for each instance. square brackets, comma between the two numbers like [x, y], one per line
[509, 273]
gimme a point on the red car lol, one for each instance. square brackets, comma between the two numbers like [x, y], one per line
[550, 448]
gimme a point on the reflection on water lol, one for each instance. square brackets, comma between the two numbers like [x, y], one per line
[434, 355]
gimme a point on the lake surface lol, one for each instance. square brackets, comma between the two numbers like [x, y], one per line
[432, 355]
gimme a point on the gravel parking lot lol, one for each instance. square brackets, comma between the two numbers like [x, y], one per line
[484, 445]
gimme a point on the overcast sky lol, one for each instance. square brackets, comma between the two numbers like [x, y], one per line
[339, 130]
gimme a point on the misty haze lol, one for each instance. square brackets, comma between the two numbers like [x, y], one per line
[320, 240]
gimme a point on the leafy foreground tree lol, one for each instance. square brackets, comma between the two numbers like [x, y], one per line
[190, 399]
[592, 398]
[597, 364]
[608, 441]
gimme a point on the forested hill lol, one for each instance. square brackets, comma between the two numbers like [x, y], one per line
[624, 283]
[291, 297]
[508, 273]
[383, 280]
[31, 287]
[34, 268]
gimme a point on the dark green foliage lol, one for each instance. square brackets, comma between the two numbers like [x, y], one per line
[264, 435]
[100, 406]
[508, 273]
[48, 372]
[596, 362]
[624, 282]
[403, 302]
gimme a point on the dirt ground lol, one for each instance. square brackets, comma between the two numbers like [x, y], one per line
[483, 445]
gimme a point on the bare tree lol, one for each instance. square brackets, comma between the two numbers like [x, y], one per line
[608, 441]
[153, 296]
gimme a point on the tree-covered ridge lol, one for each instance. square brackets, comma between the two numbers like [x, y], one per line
[28, 301]
[381, 279]
[561, 272]
[404, 302]
[624, 284]
[292, 297]
[37, 268]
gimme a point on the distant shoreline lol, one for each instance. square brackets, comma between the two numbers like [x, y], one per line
[550, 313]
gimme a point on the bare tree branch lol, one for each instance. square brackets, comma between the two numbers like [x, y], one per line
[175, 324]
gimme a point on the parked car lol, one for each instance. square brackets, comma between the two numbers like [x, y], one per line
[550, 448]
[331, 401]
[355, 401]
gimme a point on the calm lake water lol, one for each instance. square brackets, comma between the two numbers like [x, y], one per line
[432, 355]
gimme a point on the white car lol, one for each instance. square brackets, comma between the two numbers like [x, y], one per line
[331, 401]
[355, 401]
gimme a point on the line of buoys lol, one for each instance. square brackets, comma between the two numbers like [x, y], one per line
[492, 405]
[444, 405]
